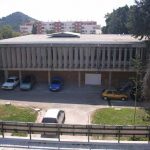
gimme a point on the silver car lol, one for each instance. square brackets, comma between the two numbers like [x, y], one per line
[28, 82]
[11, 83]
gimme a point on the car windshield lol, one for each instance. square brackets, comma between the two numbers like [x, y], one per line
[10, 80]
[55, 82]
[49, 120]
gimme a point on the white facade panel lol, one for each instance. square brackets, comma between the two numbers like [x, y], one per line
[92, 79]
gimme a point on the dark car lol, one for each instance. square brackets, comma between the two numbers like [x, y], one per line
[136, 95]
[126, 86]
[56, 84]
[27, 82]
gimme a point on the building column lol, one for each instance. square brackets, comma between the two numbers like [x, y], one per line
[49, 77]
[20, 76]
[109, 79]
[114, 57]
[103, 57]
[79, 79]
[130, 59]
[125, 58]
[108, 59]
[120, 53]
[6, 74]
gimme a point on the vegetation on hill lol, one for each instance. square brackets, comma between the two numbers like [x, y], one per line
[15, 20]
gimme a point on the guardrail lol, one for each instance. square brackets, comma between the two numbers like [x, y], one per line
[74, 129]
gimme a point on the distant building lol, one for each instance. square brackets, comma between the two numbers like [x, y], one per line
[83, 27]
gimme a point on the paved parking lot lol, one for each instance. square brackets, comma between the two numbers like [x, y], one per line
[78, 103]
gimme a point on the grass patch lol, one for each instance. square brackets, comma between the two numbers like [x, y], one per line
[19, 134]
[20, 114]
[124, 116]
[13, 113]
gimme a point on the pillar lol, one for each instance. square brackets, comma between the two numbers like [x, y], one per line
[109, 80]
[60, 52]
[125, 58]
[114, 57]
[79, 79]
[6, 74]
[130, 59]
[49, 77]
[103, 57]
[108, 54]
[120, 53]
[20, 76]
[81, 57]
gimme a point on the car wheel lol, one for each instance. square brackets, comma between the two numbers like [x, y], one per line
[123, 99]
[105, 98]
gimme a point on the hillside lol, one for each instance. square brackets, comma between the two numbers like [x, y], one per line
[15, 20]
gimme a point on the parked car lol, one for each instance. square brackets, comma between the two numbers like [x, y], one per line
[139, 96]
[114, 94]
[56, 84]
[11, 83]
[27, 82]
[126, 86]
[54, 116]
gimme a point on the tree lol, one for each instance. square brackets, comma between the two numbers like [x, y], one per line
[34, 29]
[139, 25]
[139, 19]
[116, 22]
[138, 67]
[6, 32]
[15, 34]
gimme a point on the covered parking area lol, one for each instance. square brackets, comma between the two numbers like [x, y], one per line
[105, 79]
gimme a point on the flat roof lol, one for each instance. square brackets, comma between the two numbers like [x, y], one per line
[83, 39]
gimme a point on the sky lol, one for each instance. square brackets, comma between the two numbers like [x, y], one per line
[63, 10]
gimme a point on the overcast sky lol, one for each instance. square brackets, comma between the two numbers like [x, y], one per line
[63, 10]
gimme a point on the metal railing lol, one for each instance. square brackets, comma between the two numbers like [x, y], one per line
[74, 129]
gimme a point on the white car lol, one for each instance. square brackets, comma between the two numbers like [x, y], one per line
[11, 83]
[54, 116]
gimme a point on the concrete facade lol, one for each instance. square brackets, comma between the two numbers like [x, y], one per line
[71, 59]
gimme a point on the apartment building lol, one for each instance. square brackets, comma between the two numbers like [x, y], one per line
[83, 27]
[78, 58]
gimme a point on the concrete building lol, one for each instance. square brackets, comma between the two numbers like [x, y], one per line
[79, 59]
[83, 27]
